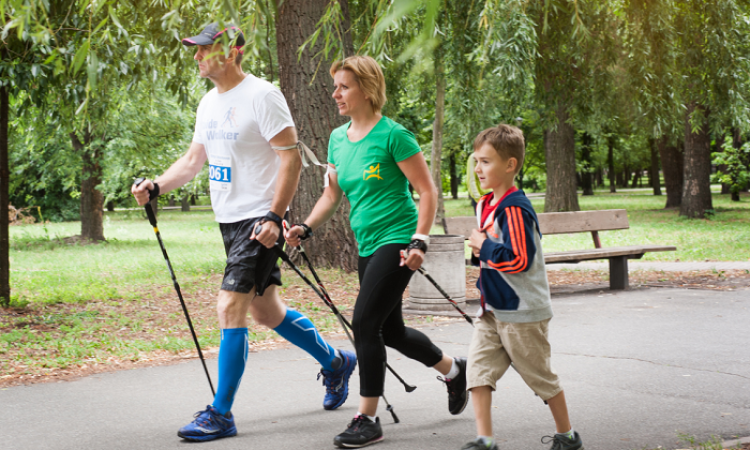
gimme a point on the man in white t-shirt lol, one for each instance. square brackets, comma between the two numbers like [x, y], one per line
[246, 132]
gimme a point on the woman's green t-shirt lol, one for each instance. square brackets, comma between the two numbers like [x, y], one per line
[382, 211]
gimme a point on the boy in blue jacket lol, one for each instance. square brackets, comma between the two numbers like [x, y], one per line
[515, 299]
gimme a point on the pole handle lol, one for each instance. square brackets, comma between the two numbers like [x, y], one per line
[147, 206]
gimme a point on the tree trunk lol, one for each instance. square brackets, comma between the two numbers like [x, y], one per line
[437, 131]
[346, 25]
[92, 200]
[185, 203]
[587, 175]
[315, 117]
[738, 142]
[4, 200]
[636, 179]
[171, 201]
[455, 179]
[611, 165]
[625, 176]
[560, 150]
[653, 172]
[672, 165]
[696, 189]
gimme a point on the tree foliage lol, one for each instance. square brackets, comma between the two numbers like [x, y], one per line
[102, 90]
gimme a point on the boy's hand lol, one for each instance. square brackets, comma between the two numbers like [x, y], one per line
[476, 240]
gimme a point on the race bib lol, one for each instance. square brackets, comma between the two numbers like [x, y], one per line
[220, 174]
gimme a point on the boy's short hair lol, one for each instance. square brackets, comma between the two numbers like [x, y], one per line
[507, 140]
[369, 75]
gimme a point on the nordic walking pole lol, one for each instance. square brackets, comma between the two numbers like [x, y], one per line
[284, 257]
[424, 272]
[344, 323]
[152, 220]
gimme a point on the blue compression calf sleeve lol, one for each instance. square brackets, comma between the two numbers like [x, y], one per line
[232, 359]
[300, 331]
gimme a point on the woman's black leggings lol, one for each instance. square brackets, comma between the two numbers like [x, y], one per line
[378, 321]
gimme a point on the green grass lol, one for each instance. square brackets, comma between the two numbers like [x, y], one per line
[115, 300]
[46, 269]
[723, 237]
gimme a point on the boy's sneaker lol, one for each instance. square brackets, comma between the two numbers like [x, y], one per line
[208, 425]
[563, 442]
[457, 395]
[478, 444]
[360, 432]
[337, 381]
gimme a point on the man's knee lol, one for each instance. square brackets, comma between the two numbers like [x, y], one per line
[268, 310]
[231, 307]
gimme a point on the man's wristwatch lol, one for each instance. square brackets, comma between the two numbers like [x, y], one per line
[273, 217]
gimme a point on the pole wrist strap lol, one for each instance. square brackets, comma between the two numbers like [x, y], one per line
[152, 194]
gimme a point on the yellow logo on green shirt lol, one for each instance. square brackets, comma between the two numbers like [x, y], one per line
[374, 172]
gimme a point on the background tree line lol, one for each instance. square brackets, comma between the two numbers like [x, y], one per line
[96, 92]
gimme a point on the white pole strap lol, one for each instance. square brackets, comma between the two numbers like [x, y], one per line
[305, 152]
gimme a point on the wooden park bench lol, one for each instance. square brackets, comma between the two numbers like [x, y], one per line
[580, 222]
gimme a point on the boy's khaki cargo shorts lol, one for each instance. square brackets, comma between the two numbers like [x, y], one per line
[496, 344]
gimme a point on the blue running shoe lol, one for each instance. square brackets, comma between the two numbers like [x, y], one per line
[208, 425]
[337, 381]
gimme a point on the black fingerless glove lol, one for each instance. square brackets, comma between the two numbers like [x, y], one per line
[417, 244]
[307, 231]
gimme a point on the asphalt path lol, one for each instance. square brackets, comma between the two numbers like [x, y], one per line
[639, 368]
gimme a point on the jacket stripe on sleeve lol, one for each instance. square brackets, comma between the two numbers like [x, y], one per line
[518, 243]
[520, 236]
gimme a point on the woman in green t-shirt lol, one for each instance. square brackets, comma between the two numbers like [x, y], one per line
[372, 159]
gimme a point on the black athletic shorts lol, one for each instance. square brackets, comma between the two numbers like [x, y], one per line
[248, 262]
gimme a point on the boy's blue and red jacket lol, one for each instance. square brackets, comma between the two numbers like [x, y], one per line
[513, 279]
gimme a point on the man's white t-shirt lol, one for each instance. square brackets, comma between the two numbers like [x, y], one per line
[235, 127]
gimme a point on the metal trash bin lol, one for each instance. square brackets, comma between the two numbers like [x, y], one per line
[446, 263]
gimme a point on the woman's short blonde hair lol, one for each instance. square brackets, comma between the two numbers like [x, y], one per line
[369, 75]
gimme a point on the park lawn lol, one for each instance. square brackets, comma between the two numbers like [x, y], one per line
[723, 237]
[78, 308]
[83, 308]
